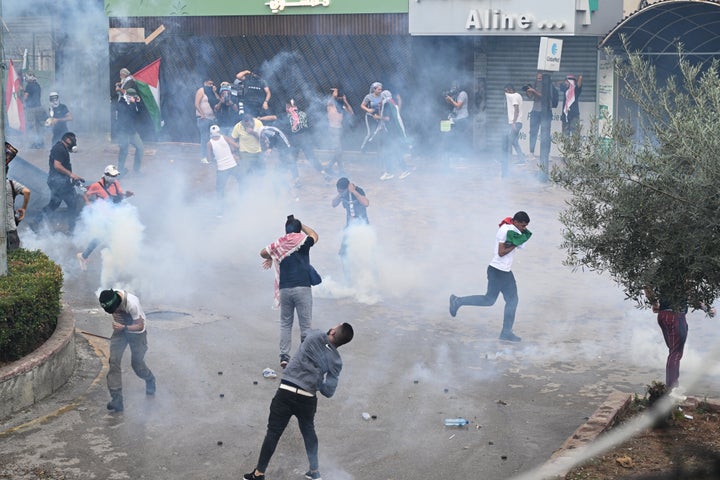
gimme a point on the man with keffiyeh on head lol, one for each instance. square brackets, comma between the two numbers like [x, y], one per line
[570, 117]
[290, 255]
[512, 234]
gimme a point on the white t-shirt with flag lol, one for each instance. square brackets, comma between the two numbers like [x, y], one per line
[504, 263]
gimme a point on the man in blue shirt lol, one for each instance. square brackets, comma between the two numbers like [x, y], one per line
[290, 254]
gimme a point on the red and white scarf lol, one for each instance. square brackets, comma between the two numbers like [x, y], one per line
[278, 251]
[569, 95]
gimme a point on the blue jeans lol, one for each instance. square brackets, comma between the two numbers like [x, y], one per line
[284, 405]
[124, 141]
[513, 137]
[203, 125]
[335, 144]
[498, 281]
[222, 178]
[291, 300]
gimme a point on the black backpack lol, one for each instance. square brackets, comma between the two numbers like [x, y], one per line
[555, 96]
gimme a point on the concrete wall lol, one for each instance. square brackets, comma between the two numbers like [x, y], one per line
[35, 376]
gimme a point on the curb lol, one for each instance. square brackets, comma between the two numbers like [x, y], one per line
[602, 420]
[39, 374]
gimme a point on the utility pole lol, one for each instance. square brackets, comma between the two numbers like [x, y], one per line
[3, 166]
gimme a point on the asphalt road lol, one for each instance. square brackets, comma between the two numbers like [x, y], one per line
[212, 331]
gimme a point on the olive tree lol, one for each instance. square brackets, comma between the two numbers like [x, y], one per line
[645, 194]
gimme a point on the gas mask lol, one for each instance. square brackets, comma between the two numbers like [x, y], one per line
[72, 145]
[54, 101]
[109, 179]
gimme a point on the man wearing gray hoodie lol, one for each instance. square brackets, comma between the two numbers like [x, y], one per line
[315, 367]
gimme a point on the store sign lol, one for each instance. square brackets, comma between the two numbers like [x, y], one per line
[496, 20]
[549, 54]
[203, 8]
[512, 17]
[277, 6]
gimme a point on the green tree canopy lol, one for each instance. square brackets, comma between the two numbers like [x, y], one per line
[645, 195]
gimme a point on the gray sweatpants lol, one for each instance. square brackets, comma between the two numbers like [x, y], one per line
[294, 299]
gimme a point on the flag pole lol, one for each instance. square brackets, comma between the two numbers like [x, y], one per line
[3, 166]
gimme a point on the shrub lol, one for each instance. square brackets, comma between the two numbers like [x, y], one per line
[29, 303]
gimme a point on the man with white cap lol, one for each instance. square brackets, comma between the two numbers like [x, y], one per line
[107, 188]
[128, 329]
[58, 116]
[219, 151]
[126, 81]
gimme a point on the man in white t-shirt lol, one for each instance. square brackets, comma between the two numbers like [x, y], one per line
[513, 234]
[128, 329]
[514, 100]
[219, 151]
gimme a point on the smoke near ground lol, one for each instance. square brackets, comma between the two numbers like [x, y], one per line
[411, 364]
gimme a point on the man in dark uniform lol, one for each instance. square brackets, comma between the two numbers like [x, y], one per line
[130, 108]
[34, 111]
[61, 177]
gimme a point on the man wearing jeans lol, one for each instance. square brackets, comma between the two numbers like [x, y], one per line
[316, 367]
[513, 101]
[290, 254]
[513, 234]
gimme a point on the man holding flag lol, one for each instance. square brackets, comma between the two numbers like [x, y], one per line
[140, 90]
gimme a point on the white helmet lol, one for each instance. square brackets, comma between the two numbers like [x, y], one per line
[54, 94]
[112, 171]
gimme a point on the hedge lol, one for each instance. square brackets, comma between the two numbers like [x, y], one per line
[29, 303]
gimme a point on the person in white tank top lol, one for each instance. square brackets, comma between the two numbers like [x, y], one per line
[220, 151]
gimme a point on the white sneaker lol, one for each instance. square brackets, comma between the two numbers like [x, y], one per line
[387, 176]
[405, 174]
[677, 395]
[204, 160]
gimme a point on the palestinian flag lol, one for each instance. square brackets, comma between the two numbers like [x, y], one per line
[13, 100]
[147, 81]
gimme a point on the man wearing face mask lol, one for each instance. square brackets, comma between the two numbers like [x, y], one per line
[107, 188]
[34, 111]
[206, 98]
[58, 116]
[61, 177]
[130, 109]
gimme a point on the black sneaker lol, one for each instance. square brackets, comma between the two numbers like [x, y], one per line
[150, 387]
[116, 404]
[284, 360]
[453, 305]
[310, 475]
[509, 337]
[252, 476]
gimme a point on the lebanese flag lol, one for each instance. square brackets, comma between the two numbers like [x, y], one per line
[147, 80]
[13, 103]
